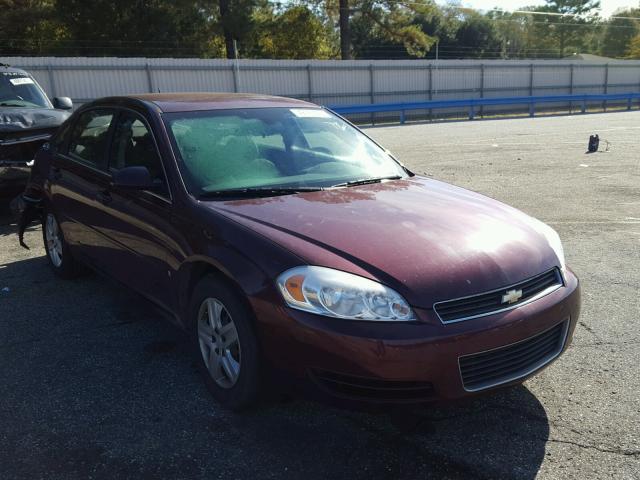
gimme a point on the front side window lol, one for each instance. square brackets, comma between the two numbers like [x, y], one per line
[18, 89]
[274, 147]
[133, 145]
[89, 138]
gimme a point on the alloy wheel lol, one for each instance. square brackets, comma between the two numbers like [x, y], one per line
[54, 240]
[219, 343]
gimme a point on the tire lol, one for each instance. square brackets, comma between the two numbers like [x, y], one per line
[224, 344]
[60, 259]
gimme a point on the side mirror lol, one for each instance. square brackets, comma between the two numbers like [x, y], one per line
[62, 103]
[133, 178]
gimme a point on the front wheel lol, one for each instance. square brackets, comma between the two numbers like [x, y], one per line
[225, 344]
[58, 254]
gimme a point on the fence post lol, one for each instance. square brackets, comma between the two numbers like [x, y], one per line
[606, 85]
[571, 87]
[571, 80]
[149, 79]
[481, 88]
[430, 89]
[235, 75]
[310, 84]
[531, 80]
[372, 93]
[52, 81]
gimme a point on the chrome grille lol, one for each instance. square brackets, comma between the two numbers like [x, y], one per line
[493, 302]
[504, 364]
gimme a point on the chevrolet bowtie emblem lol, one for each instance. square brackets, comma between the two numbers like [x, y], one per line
[511, 296]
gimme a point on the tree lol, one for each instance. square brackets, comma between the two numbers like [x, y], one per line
[391, 22]
[236, 22]
[462, 33]
[513, 32]
[294, 33]
[564, 27]
[633, 52]
[619, 31]
[28, 26]
[476, 37]
[136, 27]
[345, 30]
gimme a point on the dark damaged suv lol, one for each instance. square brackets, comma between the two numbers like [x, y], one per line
[27, 120]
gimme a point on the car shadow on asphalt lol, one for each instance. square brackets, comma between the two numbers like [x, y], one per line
[96, 384]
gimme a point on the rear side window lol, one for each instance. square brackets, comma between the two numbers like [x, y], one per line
[90, 135]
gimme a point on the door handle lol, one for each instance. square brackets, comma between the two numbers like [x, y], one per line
[104, 197]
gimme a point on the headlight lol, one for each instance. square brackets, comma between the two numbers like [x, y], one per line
[339, 294]
[554, 242]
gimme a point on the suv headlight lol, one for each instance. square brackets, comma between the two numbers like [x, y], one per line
[340, 294]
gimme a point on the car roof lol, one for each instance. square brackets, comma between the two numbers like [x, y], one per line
[188, 102]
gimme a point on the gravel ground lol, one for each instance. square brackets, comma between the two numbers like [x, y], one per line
[93, 384]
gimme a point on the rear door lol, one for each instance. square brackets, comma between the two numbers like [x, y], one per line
[140, 224]
[79, 179]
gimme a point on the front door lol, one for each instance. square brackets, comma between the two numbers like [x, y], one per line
[140, 223]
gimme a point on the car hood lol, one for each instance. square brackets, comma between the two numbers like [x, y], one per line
[18, 119]
[429, 240]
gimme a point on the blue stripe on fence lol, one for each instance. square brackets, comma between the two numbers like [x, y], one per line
[472, 103]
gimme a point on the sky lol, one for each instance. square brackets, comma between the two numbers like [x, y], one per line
[607, 7]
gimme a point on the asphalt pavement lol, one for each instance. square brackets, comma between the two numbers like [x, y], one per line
[94, 384]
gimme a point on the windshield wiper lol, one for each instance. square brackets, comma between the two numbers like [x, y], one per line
[10, 104]
[258, 192]
[366, 181]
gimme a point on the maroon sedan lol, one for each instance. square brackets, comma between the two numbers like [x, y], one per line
[285, 240]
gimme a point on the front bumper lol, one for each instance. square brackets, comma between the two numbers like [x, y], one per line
[410, 362]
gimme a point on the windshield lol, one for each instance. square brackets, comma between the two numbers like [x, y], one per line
[20, 90]
[274, 148]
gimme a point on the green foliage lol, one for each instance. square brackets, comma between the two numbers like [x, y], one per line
[311, 29]
[476, 37]
[236, 22]
[295, 33]
[27, 26]
[619, 32]
[146, 27]
[388, 29]
[566, 30]
[516, 36]
[633, 52]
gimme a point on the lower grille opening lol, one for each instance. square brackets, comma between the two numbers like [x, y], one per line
[501, 365]
[372, 389]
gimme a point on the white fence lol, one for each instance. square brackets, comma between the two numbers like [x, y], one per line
[330, 82]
